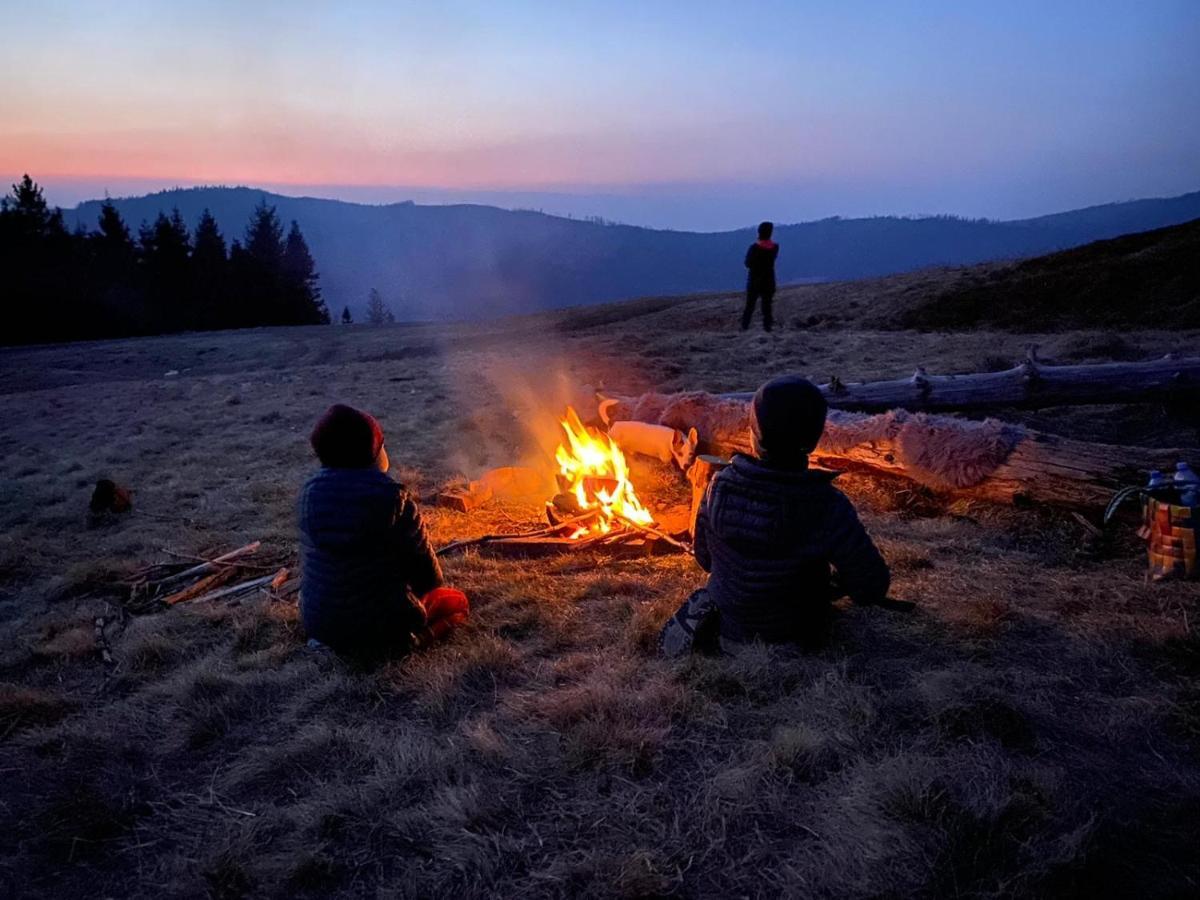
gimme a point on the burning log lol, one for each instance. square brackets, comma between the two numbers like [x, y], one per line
[1030, 385]
[596, 507]
[988, 460]
[593, 471]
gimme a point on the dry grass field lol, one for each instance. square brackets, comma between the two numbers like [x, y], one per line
[1033, 729]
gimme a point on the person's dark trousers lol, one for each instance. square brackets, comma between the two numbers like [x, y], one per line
[752, 296]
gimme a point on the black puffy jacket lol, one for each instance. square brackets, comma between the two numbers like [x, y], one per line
[768, 536]
[760, 266]
[363, 549]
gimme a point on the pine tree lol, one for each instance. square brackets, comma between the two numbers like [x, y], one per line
[165, 251]
[43, 267]
[346, 317]
[264, 236]
[115, 303]
[210, 276]
[28, 213]
[260, 290]
[113, 239]
[304, 303]
[377, 311]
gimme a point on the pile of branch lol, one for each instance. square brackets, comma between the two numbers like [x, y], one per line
[169, 584]
[626, 539]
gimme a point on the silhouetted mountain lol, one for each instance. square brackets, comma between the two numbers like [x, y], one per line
[437, 262]
[1146, 280]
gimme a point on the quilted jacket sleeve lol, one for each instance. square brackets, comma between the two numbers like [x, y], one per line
[860, 567]
[413, 544]
[700, 540]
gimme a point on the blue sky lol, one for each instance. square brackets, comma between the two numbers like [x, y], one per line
[689, 114]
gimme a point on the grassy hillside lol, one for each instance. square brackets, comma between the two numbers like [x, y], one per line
[1149, 280]
[1032, 729]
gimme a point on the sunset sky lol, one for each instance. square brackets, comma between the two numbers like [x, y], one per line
[978, 108]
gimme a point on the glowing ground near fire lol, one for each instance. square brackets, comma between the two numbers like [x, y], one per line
[1031, 729]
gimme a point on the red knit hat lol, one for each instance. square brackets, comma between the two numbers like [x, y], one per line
[346, 438]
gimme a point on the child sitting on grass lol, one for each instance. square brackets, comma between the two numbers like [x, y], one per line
[366, 557]
[768, 530]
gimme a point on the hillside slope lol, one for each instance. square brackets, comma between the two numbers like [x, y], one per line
[466, 262]
[1150, 280]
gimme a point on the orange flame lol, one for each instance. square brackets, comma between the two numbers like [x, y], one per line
[592, 469]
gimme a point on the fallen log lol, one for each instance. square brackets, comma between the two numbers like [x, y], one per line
[988, 460]
[1030, 385]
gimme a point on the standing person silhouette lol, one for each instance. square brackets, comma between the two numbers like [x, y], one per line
[760, 275]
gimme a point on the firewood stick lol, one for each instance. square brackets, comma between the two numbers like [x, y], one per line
[240, 588]
[212, 565]
[193, 558]
[541, 532]
[285, 590]
[629, 523]
[208, 583]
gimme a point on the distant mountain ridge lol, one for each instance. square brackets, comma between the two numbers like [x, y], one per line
[467, 261]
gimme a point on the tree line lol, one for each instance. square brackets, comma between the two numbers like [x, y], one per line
[63, 285]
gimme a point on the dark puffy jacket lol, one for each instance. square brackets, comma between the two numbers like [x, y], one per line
[363, 549]
[760, 266]
[768, 537]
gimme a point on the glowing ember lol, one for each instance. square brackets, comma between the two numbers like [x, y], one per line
[592, 469]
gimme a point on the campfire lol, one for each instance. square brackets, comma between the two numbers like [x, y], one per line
[593, 480]
[596, 506]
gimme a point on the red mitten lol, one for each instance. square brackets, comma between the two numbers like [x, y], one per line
[446, 603]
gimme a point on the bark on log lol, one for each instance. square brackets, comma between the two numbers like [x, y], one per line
[987, 460]
[1030, 385]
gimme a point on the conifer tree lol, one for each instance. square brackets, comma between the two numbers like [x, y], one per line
[303, 294]
[264, 236]
[165, 251]
[347, 319]
[209, 275]
[113, 239]
[260, 287]
[377, 311]
[29, 215]
[42, 264]
[115, 301]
